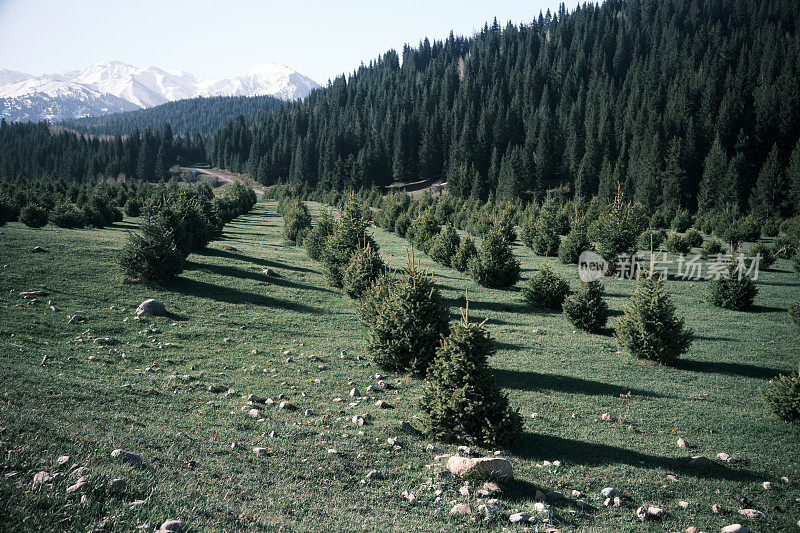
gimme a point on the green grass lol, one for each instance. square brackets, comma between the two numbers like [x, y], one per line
[77, 403]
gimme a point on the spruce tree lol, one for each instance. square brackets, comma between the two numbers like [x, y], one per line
[495, 265]
[768, 195]
[586, 308]
[409, 322]
[364, 268]
[445, 245]
[461, 402]
[349, 234]
[649, 327]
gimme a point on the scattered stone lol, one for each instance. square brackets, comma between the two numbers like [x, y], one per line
[81, 471]
[39, 250]
[672, 478]
[127, 457]
[254, 413]
[260, 451]
[173, 526]
[683, 504]
[78, 485]
[609, 492]
[151, 307]
[46, 478]
[382, 404]
[724, 457]
[358, 420]
[409, 496]
[534, 415]
[753, 514]
[767, 485]
[518, 518]
[784, 480]
[691, 529]
[735, 528]
[285, 405]
[606, 416]
[64, 459]
[354, 392]
[461, 509]
[255, 399]
[716, 508]
[76, 319]
[489, 467]
[32, 294]
[374, 474]
[701, 461]
[681, 443]
[466, 490]
[392, 441]
[216, 388]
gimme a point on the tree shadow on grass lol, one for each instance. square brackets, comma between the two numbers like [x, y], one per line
[255, 276]
[535, 447]
[220, 293]
[766, 309]
[216, 252]
[731, 369]
[496, 307]
[526, 380]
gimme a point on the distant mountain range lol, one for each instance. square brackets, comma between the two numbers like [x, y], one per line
[113, 87]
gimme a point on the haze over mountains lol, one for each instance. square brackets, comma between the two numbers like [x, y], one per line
[113, 86]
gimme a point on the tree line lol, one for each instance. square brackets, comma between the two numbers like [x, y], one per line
[39, 151]
[193, 115]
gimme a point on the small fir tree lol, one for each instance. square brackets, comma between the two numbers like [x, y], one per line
[445, 245]
[364, 268]
[318, 235]
[586, 308]
[782, 396]
[151, 255]
[649, 327]
[349, 234]
[409, 322]
[464, 255]
[732, 290]
[495, 265]
[461, 402]
[546, 289]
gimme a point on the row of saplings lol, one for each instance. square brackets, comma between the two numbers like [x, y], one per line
[409, 330]
[177, 221]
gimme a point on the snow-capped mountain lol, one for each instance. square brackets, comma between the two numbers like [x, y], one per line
[112, 86]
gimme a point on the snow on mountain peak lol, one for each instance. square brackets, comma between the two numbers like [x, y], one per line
[119, 82]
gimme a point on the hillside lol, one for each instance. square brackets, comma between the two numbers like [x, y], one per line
[292, 335]
[684, 103]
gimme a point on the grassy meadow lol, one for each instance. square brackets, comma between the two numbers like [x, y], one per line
[64, 392]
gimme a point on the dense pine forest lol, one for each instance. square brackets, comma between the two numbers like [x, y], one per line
[689, 103]
[194, 115]
[37, 151]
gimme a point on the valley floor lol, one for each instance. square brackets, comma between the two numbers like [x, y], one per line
[289, 334]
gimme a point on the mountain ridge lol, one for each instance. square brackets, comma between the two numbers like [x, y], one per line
[114, 86]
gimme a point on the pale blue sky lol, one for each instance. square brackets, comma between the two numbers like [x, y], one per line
[226, 38]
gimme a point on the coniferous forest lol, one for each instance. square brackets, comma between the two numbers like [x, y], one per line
[688, 103]
[193, 115]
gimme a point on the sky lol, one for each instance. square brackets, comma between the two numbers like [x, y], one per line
[226, 38]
